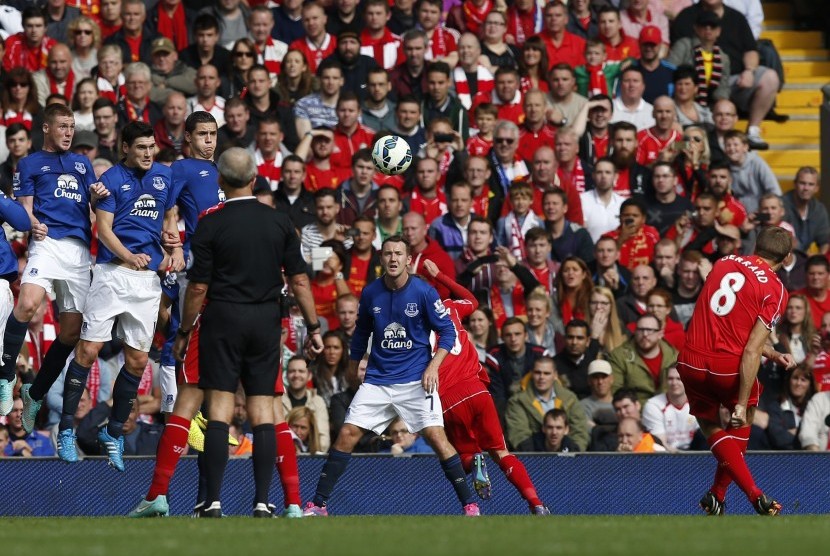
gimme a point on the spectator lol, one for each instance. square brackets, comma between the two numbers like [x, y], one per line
[172, 20]
[291, 196]
[657, 72]
[29, 48]
[57, 76]
[632, 306]
[451, 229]
[320, 174]
[408, 122]
[632, 437]
[689, 111]
[618, 46]
[405, 442]
[364, 259]
[317, 45]
[389, 221]
[438, 102]
[781, 416]
[319, 109]
[535, 131]
[626, 406]
[297, 394]
[540, 392]
[325, 226]
[533, 66]
[642, 362]
[442, 42]
[582, 21]
[377, 110]
[666, 259]
[729, 209]
[632, 178]
[606, 268]
[562, 46]
[659, 304]
[475, 267]
[806, 213]
[288, 21]
[592, 121]
[243, 58]
[376, 41]
[512, 228]
[409, 78]
[664, 206]
[542, 326]
[697, 232]
[508, 95]
[19, 103]
[509, 362]
[796, 331]
[597, 406]
[19, 144]
[641, 15]
[630, 106]
[356, 66]
[84, 40]
[667, 416]
[425, 248]
[496, 50]
[304, 428]
[482, 331]
[567, 237]
[635, 238]
[426, 198]
[597, 76]
[206, 98]
[487, 201]
[815, 430]
[524, 20]
[579, 352]
[268, 155]
[563, 95]
[572, 173]
[711, 65]
[691, 273]
[606, 326]
[403, 16]
[330, 368]
[110, 17]
[33, 444]
[658, 142]
[543, 177]
[206, 48]
[573, 289]
[105, 118]
[134, 39]
[506, 166]
[169, 131]
[555, 433]
[816, 291]
[236, 132]
[343, 16]
[771, 212]
[753, 86]
[136, 103]
[358, 195]
[751, 175]
[473, 81]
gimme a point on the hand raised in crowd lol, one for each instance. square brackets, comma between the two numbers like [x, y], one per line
[612, 278]
[506, 258]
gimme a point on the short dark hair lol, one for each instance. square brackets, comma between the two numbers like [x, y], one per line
[293, 158]
[537, 233]
[511, 321]
[684, 72]
[634, 202]
[364, 155]
[623, 126]
[31, 12]
[625, 393]
[103, 102]
[198, 117]
[635, 69]
[479, 219]
[327, 64]
[387, 187]
[557, 413]
[556, 192]
[719, 165]
[135, 130]
[16, 128]
[397, 238]
[817, 260]
[204, 22]
[578, 323]
[439, 67]
[325, 192]
[347, 96]
[562, 66]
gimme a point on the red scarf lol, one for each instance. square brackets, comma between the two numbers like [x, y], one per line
[132, 111]
[12, 117]
[597, 85]
[497, 305]
[175, 27]
[474, 17]
[69, 85]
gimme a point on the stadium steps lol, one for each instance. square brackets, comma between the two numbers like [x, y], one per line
[806, 69]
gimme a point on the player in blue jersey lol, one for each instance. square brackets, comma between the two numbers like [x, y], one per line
[17, 217]
[56, 188]
[399, 311]
[125, 283]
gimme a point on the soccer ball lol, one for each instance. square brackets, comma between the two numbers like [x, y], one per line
[391, 155]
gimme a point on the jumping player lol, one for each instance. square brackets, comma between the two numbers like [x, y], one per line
[740, 303]
[470, 417]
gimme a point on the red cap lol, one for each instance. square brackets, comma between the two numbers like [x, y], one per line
[651, 35]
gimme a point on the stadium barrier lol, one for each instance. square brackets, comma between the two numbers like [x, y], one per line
[378, 485]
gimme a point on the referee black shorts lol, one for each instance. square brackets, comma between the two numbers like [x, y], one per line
[239, 342]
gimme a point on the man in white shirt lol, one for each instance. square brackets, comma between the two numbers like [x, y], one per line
[601, 206]
[667, 417]
[630, 106]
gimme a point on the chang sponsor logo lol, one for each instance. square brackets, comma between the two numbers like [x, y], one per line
[67, 188]
[145, 206]
[394, 337]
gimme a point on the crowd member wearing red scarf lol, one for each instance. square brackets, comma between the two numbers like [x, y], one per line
[470, 15]
[172, 20]
[18, 103]
[109, 17]
[376, 40]
[58, 77]
[524, 20]
[442, 43]
[136, 104]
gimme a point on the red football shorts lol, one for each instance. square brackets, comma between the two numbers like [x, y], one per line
[712, 381]
[279, 386]
[470, 419]
[189, 369]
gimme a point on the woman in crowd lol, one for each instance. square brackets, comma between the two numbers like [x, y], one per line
[689, 111]
[482, 331]
[243, 57]
[533, 66]
[573, 289]
[796, 329]
[110, 73]
[296, 81]
[84, 36]
[303, 424]
[692, 161]
[780, 416]
[498, 52]
[541, 323]
[330, 369]
[606, 327]
[18, 100]
[85, 96]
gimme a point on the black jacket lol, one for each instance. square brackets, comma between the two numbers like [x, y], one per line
[301, 212]
[145, 50]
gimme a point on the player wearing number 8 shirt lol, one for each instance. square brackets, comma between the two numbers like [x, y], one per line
[470, 417]
[739, 305]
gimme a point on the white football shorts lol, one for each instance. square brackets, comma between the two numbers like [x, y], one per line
[63, 266]
[375, 406]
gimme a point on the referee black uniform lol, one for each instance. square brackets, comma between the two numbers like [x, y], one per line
[239, 251]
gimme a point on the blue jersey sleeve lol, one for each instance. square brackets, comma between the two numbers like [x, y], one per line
[360, 337]
[110, 181]
[23, 182]
[439, 318]
[13, 213]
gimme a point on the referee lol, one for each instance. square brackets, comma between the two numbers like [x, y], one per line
[239, 252]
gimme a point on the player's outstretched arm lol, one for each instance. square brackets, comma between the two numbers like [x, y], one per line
[750, 363]
[457, 291]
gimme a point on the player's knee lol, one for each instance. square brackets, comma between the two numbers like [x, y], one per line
[347, 438]
[26, 308]
[135, 362]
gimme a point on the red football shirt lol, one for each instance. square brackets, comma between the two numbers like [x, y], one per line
[738, 291]
[649, 146]
[821, 371]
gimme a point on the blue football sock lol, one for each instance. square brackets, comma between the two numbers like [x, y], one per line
[123, 397]
[454, 472]
[50, 370]
[334, 467]
[12, 343]
[73, 390]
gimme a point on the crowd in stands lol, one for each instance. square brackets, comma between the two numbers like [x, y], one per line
[577, 167]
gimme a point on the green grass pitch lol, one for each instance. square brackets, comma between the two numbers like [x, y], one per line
[423, 536]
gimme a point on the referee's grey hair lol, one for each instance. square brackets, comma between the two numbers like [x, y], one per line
[237, 167]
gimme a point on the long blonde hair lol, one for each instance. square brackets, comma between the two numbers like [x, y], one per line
[613, 336]
[313, 442]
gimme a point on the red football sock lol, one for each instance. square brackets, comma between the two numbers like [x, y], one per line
[287, 465]
[741, 436]
[722, 478]
[727, 451]
[516, 473]
[466, 462]
[172, 444]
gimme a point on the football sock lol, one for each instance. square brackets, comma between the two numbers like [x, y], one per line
[53, 363]
[515, 472]
[466, 462]
[216, 459]
[12, 344]
[456, 476]
[728, 453]
[265, 451]
[287, 464]
[123, 397]
[73, 390]
[334, 467]
[172, 444]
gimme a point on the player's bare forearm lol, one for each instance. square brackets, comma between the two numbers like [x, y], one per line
[194, 298]
[751, 360]
[438, 358]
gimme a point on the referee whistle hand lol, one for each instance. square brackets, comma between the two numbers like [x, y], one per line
[180, 347]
